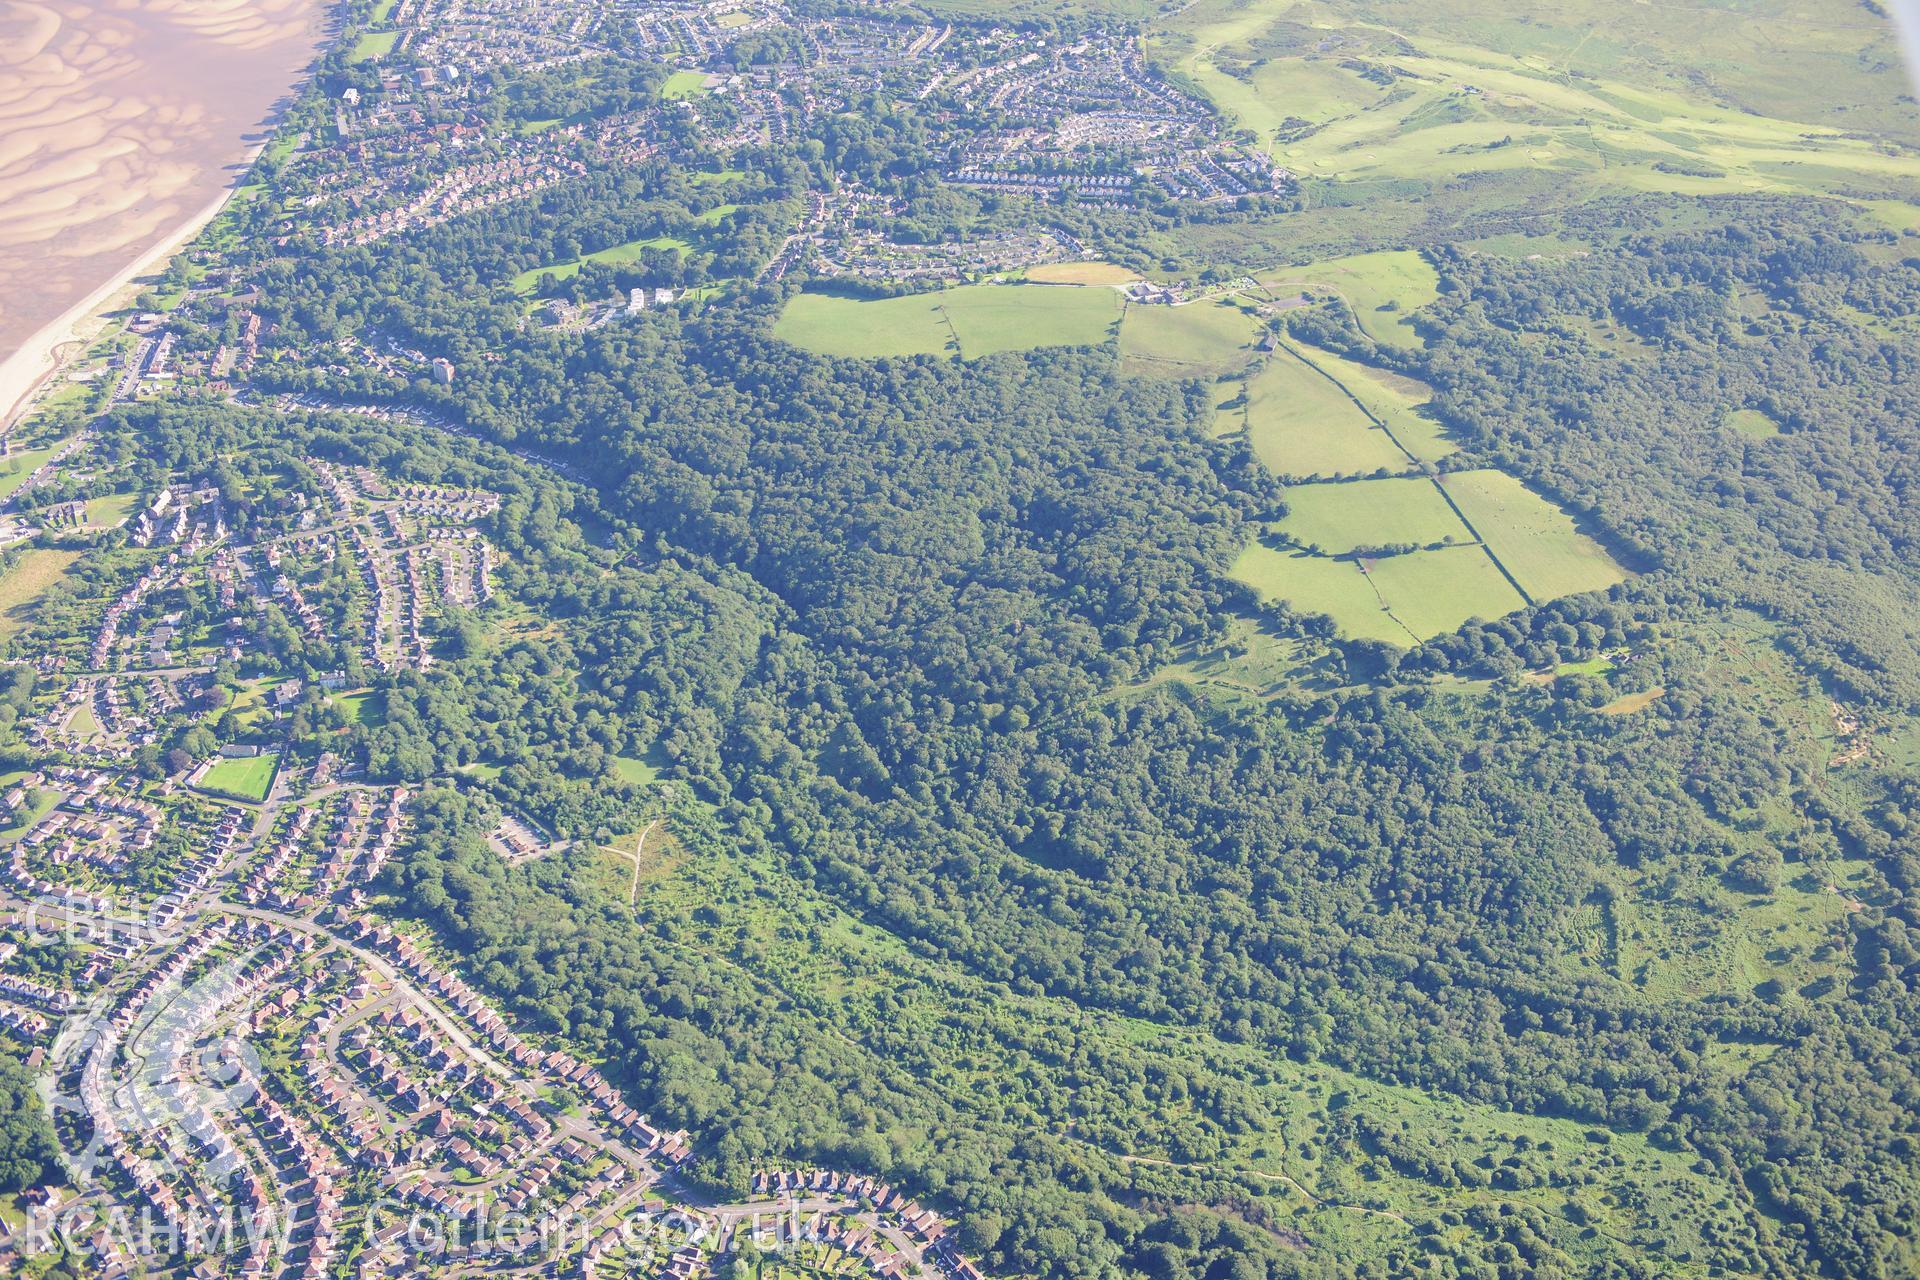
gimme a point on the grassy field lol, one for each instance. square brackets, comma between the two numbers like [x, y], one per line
[1398, 402]
[249, 706]
[368, 707]
[684, 84]
[1315, 584]
[614, 255]
[36, 571]
[84, 724]
[1199, 340]
[372, 45]
[105, 513]
[1752, 424]
[1433, 592]
[1370, 513]
[1080, 273]
[637, 770]
[1385, 289]
[245, 778]
[1300, 424]
[1535, 540]
[971, 320]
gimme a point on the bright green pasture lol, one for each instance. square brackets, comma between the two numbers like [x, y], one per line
[1399, 402]
[1433, 592]
[1337, 518]
[243, 779]
[974, 320]
[1197, 340]
[1535, 540]
[989, 318]
[1383, 288]
[1315, 584]
[618, 255]
[1300, 424]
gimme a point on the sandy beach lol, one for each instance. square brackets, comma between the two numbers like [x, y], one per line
[124, 126]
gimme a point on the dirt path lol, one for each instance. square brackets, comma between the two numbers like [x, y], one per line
[633, 891]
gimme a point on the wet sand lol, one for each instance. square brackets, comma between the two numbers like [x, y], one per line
[123, 124]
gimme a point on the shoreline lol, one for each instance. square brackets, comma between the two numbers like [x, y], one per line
[34, 368]
[30, 371]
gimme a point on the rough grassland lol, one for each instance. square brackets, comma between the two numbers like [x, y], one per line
[37, 570]
[1199, 340]
[1535, 539]
[1433, 592]
[1315, 584]
[1299, 424]
[974, 320]
[1370, 513]
[1384, 289]
[1579, 98]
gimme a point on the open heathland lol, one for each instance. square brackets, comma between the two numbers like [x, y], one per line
[1586, 98]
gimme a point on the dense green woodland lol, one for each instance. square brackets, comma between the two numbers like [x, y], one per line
[897, 626]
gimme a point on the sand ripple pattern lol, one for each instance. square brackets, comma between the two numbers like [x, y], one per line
[118, 120]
